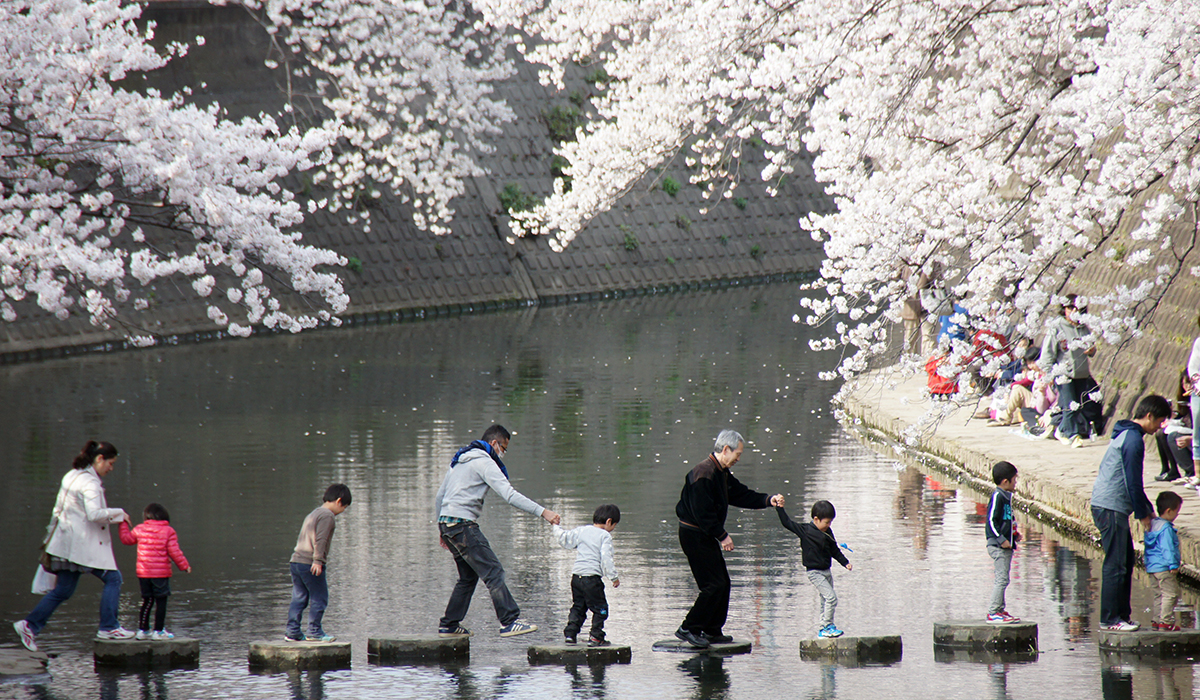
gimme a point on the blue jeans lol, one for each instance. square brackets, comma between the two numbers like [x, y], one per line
[475, 560]
[1116, 582]
[1087, 418]
[65, 588]
[307, 589]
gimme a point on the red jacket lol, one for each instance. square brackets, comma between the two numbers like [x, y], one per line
[157, 546]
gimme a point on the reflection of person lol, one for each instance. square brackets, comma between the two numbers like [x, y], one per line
[708, 491]
[593, 560]
[818, 550]
[474, 469]
[157, 546]
[1118, 491]
[310, 585]
[1162, 560]
[1193, 372]
[80, 542]
[1002, 538]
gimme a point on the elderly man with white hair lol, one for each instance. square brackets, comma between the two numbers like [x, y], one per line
[708, 491]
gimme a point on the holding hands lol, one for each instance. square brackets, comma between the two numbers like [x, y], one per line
[551, 517]
[777, 500]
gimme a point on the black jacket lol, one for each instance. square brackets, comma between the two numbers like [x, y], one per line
[708, 491]
[819, 548]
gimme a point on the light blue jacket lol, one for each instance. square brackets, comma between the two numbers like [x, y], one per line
[1162, 547]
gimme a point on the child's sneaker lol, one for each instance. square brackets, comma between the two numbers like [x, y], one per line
[596, 642]
[1000, 618]
[830, 631]
[143, 635]
[321, 638]
[297, 638]
[571, 639]
[516, 627]
[118, 633]
[1008, 617]
[161, 635]
[454, 631]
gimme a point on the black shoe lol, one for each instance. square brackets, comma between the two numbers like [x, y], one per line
[596, 642]
[692, 638]
[571, 639]
[1165, 477]
[717, 638]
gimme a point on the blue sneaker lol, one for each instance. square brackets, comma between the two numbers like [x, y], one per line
[830, 631]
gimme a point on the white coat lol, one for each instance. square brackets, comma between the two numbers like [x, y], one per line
[83, 535]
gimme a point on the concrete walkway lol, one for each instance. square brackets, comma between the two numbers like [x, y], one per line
[1055, 481]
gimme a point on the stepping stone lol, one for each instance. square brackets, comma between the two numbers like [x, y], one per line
[982, 636]
[884, 649]
[579, 654]
[288, 656]
[737, 646]
[147, 653]
[1153, 643]
[419, 648]
[20, 662]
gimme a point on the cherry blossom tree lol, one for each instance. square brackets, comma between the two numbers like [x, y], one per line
[105, 191]
[999, 143]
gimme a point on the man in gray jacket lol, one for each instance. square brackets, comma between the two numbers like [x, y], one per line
[1065, 357]
[474, 469]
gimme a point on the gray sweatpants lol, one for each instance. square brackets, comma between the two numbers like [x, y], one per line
[823, 580]
[1002, 560]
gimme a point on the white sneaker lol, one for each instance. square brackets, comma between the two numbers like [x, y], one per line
[118, 633]
[28, 638]
[161, 635]
[1122, 626]
[143, 635]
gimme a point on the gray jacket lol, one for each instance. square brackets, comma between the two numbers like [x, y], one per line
[593, 550]
[1058, 358]
[465, 485]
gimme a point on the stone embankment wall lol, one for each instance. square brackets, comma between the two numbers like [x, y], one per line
[651, 241]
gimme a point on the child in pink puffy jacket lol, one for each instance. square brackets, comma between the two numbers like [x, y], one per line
[157, 546]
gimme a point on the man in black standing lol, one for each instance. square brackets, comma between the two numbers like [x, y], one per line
[708, 491]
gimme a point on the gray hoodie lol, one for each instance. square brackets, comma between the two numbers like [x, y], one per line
[466, 483]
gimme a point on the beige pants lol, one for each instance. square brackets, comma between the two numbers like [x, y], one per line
[1018, 397]
[1166, 594]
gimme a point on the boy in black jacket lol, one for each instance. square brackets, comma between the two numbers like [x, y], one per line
[819, 548]
[1002, 538]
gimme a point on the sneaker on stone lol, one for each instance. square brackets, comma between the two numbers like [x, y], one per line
[28, 638]
[1000, 618]
[696, 640]
[1076, 441]
[290, 638]
[516, 627]
[1009, 617]
[1121, 626]
[143, 635]
[571, 639]
[1168, 627]
[454, 631]
[829, 631]
[118, 633]
[161, 635]
[321, 638]
[596, 642]
[718, 638]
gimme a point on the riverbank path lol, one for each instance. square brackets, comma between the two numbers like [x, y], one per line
[1055, 481]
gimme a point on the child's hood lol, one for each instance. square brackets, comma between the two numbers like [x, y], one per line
[1157, 525]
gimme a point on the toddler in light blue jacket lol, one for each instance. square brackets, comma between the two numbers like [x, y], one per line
[1162, 560]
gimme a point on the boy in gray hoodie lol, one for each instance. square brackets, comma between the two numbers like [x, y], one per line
[475, 469]
[1117, 493]
[593, 561]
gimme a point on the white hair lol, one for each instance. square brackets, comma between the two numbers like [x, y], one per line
[728, 438]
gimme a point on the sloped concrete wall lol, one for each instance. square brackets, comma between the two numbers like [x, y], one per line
[407, 272]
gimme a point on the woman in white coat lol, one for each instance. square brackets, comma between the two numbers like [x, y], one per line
[81, 542]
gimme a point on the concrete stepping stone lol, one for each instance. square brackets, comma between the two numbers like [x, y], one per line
[289, 656]
[21, 662]
[180, 652]
[882, 649]
[579, 654]
[1152, 643]
[983, 636]
[737, 646]
[417, 649]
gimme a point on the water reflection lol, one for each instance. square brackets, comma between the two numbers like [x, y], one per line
[306, 685]
[587, 681]
[708, 675]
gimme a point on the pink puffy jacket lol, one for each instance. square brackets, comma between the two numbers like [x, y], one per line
[157, 546]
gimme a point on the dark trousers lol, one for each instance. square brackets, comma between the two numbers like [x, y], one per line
[475, 560]
[1175, 459]
[308, 591]
[1087, 418]
[154, 597]
[711, 608]
[1116, 583]
[587, 593]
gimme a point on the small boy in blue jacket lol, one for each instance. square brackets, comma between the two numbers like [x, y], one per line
[1002, 539]
[1162, 559]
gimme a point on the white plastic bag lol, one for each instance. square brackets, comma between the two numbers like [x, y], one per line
[43, 581]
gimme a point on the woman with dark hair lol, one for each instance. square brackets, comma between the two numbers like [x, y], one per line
[79, 542]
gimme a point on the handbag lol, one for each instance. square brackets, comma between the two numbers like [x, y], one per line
[43, 581]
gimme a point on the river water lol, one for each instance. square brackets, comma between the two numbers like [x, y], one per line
[611, 402]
